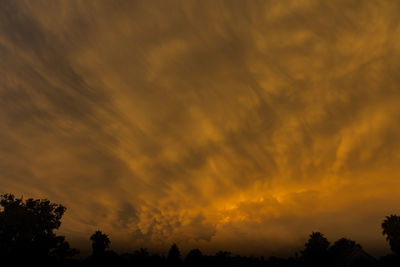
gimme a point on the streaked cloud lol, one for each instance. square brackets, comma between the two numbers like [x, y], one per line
[228, 125]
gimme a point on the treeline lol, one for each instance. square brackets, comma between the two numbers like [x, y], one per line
[28, 238]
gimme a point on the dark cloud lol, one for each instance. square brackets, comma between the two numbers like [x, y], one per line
[210, 123]
[127, 215]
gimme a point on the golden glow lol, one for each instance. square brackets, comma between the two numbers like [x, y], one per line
[228, 125]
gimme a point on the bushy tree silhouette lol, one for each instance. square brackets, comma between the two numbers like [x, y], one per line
[174, 257]
[344, 249]
[316, 250]
[391, 228]
[100, 242]
[194, 258]
[27, 237]
[27, 230]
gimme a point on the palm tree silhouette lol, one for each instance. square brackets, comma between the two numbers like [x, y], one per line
[316, 250]
[391, 228]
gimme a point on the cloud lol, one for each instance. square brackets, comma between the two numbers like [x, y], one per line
[226, 124]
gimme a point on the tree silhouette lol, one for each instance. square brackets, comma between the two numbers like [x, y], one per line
[174, 257]
[194, 258]
[100, 242]
[391, 228]
[27, 230]
[344, 248]
[223, 258]
[316, 249]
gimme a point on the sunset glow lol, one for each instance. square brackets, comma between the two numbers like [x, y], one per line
[233, 125]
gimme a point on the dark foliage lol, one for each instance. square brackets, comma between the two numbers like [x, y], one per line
[316, 250]
[27, 231]
[100, 242]
[194, 258]
[343, 249]
[174, 257]
[391, 228]
[27, 236]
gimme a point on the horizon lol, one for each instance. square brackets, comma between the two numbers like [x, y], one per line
[240, 126]
[45, 214]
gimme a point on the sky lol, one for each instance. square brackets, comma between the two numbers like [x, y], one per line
[219, 125]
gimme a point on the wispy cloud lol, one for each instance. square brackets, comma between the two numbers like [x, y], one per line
[207, 123]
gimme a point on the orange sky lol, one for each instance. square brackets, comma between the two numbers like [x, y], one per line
[234, 125]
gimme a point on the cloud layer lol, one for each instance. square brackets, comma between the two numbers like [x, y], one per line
[228, 125]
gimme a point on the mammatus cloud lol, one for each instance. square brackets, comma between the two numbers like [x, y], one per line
[228, 125]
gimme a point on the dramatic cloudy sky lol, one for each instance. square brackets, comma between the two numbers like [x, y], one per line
[234, 125]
